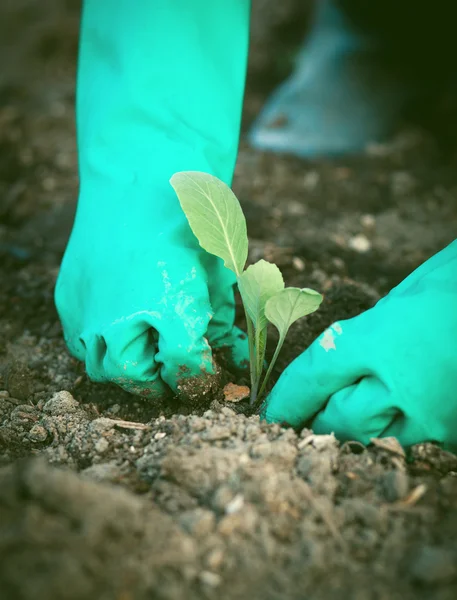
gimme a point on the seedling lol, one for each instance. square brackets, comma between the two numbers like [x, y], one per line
[217, 220]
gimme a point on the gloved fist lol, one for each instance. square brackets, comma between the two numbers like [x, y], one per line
[139, 300]
[160, 90]
[391, 371]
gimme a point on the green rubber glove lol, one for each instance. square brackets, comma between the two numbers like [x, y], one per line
[391, 371]
[160, 89]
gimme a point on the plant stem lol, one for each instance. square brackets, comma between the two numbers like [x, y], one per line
[252, 361]
[259, 355]
[271, 366]
[253, 398]
[260, 347]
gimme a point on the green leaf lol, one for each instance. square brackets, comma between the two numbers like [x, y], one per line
[257, 285]
[289, 305]
[214, 215]
[283, 309]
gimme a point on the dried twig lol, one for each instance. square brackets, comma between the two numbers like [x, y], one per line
[411, 499]
[129, 424]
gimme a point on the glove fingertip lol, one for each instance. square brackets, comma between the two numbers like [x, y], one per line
[153, 390]
[280, 407]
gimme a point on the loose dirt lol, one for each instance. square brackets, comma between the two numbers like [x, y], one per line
[105, 496]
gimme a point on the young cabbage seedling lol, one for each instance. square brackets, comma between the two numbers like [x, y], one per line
[217, 220]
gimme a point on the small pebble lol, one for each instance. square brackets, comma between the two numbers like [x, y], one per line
[236, 393]
[295, 208]
[368, 221]
[338, 263]
[235, 505]
[38, 434]
[298, 264]
[319, 276]
[319, 442]
[210, 579]
[101, 445]
[311, 180]
[222, 498]
[390, 444]
[360, 243]
[62, 403]
[215, 558]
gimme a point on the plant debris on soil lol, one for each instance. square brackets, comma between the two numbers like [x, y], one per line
[107, 496]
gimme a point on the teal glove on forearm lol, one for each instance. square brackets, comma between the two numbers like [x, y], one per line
[391, 371]
[160, 89]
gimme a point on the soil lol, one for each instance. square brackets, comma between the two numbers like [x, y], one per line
[105, 496]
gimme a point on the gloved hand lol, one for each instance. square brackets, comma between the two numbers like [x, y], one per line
[342, 95]
[160, 89]
[391, 371]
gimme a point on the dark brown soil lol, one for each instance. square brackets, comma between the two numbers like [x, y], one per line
[104, 496]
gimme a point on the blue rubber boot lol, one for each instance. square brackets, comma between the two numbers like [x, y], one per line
[341, 97]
